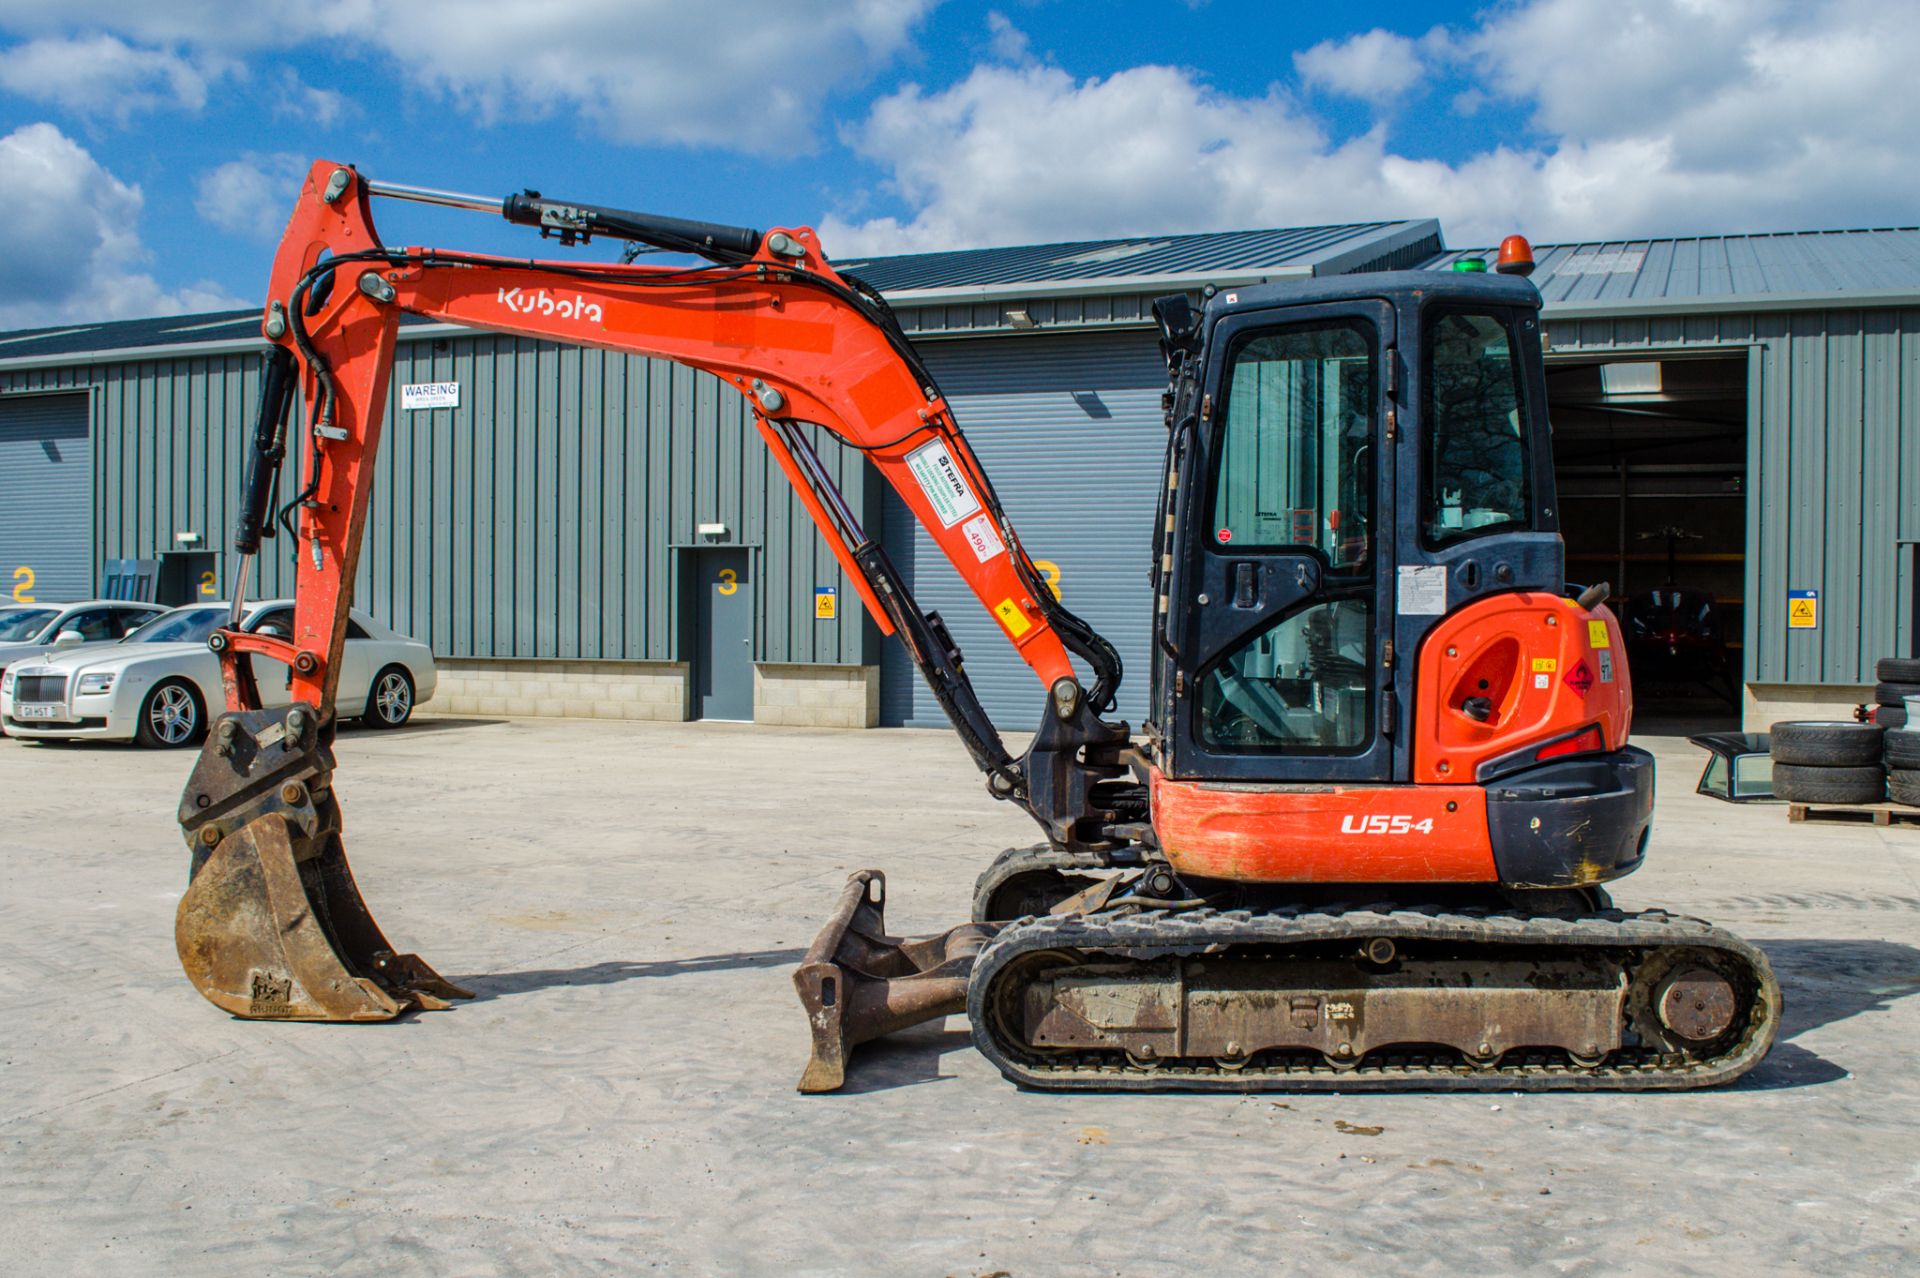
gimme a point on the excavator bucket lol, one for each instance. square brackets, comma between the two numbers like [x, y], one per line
[857, 983]
[272, 926]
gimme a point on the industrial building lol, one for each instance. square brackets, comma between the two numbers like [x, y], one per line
[582, 533]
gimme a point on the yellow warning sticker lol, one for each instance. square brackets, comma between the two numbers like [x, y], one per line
[1545, 665]
[1803, 610]
[1012, 618]
[1597, 633]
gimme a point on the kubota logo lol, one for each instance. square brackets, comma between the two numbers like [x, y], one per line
[1353, 823]
[544, 303]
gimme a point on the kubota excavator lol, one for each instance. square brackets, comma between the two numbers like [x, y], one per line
[1361, 839]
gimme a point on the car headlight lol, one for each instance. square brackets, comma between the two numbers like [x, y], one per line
[95, 683]
[6, 682]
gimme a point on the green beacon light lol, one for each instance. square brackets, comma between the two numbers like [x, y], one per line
[1471, 265]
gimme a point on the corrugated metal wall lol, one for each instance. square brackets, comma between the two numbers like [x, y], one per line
[544, 517]
[1833, 472]
[1069, 428]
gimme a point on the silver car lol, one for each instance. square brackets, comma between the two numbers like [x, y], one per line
[35, 630]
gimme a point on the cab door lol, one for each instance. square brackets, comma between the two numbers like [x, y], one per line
[1281, 666]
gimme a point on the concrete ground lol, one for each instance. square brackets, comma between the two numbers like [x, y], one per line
[629, 901]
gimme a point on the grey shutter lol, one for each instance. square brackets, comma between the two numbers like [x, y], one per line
[45, 499]
[1069, 428]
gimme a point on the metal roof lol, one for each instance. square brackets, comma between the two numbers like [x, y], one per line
[1783, 270]
[1175, 259]
[1701, 274]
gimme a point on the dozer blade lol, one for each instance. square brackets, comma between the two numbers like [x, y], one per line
[857, 983]
[272, 926]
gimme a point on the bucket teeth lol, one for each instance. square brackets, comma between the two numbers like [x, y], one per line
[857, 983]
[272, 926]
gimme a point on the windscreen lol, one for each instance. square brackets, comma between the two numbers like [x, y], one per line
[23, 625]
[183, 625]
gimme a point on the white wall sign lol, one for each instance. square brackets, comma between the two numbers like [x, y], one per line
[430, 395]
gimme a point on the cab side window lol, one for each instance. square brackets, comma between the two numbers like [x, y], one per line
[1477, 466]
[94, 625]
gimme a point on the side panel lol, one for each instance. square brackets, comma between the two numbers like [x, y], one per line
[1324, 834]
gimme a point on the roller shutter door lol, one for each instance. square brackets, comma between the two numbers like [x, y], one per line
[1069, 429]
[45, 499]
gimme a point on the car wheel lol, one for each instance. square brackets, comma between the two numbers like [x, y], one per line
[390, 700]
[1827, 745]
[171, 716]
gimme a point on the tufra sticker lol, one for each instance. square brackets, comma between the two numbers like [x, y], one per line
[940, 479]
[981, 536]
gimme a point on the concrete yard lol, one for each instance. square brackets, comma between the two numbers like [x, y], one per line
[629, 901]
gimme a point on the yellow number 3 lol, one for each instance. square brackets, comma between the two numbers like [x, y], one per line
[729, 581]
[23, 591]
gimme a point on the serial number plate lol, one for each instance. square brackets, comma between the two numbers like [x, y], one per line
[23, 713]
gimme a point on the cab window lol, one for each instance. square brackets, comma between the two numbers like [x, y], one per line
[1296, 456]
[1477, 465]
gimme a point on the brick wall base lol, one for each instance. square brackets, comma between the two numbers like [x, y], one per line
[562, 689]
[1771, 703]
[817, 696]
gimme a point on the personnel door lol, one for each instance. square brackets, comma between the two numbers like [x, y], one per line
[1288, 610]
[723, 664]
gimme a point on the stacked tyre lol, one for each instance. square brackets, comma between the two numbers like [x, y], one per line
[1903, 765]
[1899, 679]
[1829, 762]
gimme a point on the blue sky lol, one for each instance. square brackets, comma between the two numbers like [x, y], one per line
[149, 150]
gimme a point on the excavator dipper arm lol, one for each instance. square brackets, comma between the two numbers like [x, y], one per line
[272, 925]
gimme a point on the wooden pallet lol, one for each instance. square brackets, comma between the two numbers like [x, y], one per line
[1874, 813]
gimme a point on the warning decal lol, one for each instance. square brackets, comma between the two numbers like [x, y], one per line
[1012, 618]
[1545, 665]
[981, 536]
[1597, 634]
[940, 479]
[1580, 679]
[1803, 609]
[1606, 665]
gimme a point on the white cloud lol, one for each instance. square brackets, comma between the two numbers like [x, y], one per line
[1782, 123]
[1377, 66]
[299, 100]
[751, 74]
[102, 75]
[1008, 42]
[251, 196]
[68, 247]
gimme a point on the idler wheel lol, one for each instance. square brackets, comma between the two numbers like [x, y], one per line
[1697, 1004]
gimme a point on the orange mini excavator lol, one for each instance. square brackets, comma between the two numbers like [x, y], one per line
[1359, 842]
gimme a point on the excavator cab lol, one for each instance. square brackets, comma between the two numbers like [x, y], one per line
[1361, 585]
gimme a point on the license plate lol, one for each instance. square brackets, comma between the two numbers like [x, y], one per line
[23, 713]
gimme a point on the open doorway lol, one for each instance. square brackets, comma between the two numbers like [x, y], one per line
[1650, 452]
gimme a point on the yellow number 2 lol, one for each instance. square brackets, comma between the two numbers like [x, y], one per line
[208, 586]
[23, 584]
[729, 581]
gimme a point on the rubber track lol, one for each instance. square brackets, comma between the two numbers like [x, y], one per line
[1159, 933]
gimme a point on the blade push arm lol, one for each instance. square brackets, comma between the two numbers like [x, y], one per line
[769, 317]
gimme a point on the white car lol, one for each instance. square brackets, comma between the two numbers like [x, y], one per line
[34, 630]
[160, 685]
[28, 630]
